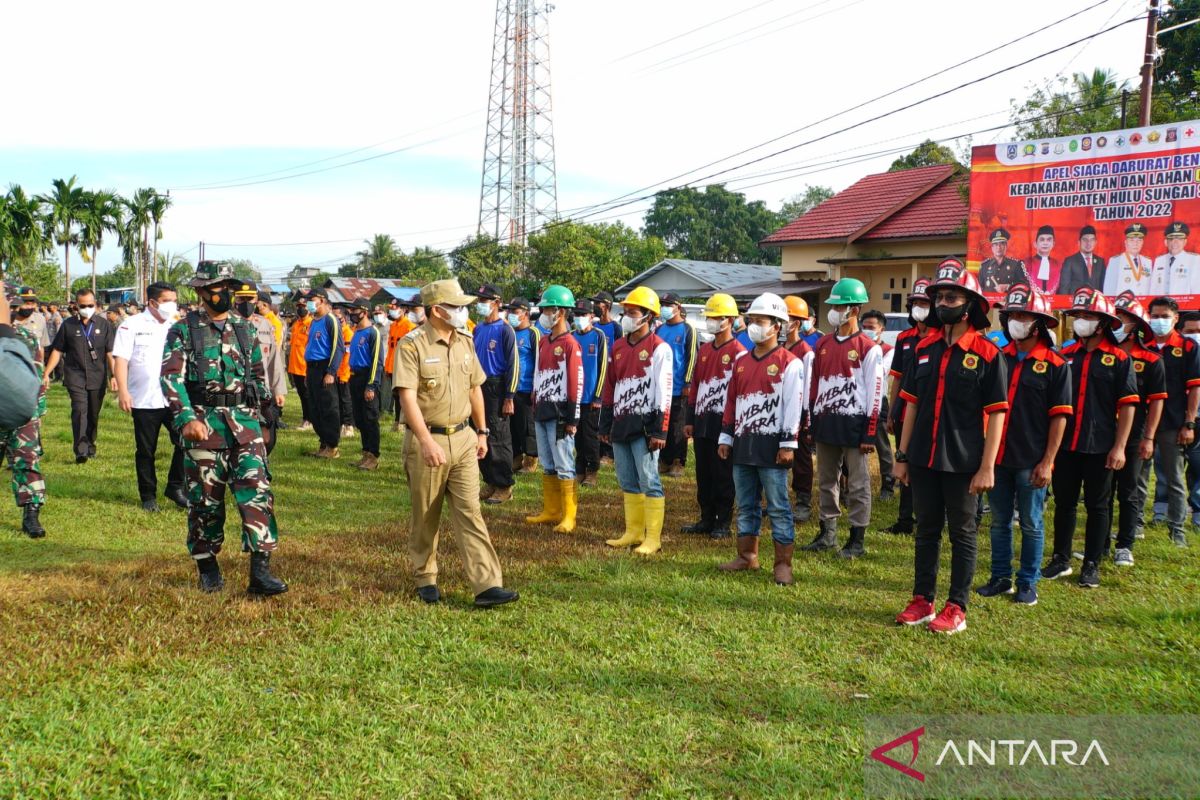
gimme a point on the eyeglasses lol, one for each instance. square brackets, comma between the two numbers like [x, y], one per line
[949, 297]
[86, 305]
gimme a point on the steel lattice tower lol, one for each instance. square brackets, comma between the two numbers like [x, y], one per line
[519, 193]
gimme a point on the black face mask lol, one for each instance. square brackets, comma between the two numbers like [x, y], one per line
[245, 308]
[220, 300]
[356, 318]
[24, 313]
[950, 315]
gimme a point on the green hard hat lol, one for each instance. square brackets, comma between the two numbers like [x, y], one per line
[848, 292]
[210, 272]
[557, 296]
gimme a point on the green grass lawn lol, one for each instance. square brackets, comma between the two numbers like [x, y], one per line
[614, 676]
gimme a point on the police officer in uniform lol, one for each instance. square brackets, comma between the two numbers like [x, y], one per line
[440, 381]
[1176, 271]
[246, 300]
[997, 273]
[215, 386]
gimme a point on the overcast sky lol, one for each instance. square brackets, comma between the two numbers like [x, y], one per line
[172, 95]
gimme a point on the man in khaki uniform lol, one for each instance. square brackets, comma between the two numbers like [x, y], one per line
[247, 301]
[439, 379]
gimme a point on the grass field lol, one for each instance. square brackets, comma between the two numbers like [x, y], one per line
[612, 677]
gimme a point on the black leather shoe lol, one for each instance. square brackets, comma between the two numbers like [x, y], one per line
[81, 459]
[150, 505]
[210, 575]
[496, 596]
[178, 497]
[92, 451]
[697, 527]
[720, 531]
[30, 523]
[429, 594]
[262, 582]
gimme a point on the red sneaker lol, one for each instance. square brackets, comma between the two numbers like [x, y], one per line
[919, 612]
[952, 620]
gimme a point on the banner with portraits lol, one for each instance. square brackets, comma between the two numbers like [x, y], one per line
[1111, 210]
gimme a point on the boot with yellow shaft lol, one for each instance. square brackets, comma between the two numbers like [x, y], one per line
[551, 503]
[656, 509]
[570, 505]
[635, 522]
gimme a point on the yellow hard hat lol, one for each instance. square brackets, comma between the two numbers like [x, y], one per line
[644, 297]
[720, 305]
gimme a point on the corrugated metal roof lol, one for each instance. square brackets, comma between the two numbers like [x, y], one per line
[719, 275]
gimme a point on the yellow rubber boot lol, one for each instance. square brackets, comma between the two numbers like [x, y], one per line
[635, 522]
[656, 510]
[551, 502]
[570, 505]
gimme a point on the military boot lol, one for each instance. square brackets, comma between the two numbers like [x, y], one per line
[30, 523]
[262, 582]
[826, 539]
[854, 547]
[210, 575]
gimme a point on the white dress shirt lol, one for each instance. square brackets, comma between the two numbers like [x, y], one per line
[140, 340]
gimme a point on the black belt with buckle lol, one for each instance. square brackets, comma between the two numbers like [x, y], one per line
[447, 431]
[219, 400]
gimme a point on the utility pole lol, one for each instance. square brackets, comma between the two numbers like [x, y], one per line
[1148, 57]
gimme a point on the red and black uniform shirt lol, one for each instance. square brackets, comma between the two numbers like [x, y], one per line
[1101, 382]
[558, 379]
[1151, 376]
[952, 389]
[845, 390]
[1039, 389]
[803, 351]
[710, 387]
[637, 390]
[1181, 360]
[762, 410]
[906, 343]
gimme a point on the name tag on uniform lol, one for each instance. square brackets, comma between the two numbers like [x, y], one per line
[434, 360]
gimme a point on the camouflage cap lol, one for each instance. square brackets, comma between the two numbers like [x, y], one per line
[210, 272]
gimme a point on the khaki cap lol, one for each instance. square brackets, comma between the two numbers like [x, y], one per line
[447, 292]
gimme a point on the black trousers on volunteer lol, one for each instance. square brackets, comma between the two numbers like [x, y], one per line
[677, 444]
[1086, 471]
[345, 404]
[147, 422]
[943, 500]
[714, 484]
[300, 383]
[325, 406]
[366, 412]
[496, 467]
[587, 442]
[524, 442]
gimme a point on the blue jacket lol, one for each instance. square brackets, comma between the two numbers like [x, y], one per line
[496, 348]
[595, 349]
[681, 338]
[367, 355]
[612, 332]
[528, 341]
[325, 344]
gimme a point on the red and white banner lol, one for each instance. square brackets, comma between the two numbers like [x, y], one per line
[1112, 210]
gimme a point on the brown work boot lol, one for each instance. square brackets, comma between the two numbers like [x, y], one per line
[676, 470]
[486, 491]
[783, 563]
[528, 465]
[499, 495]
[369, 463]
[747, 555]
[589, 480]
[329, 452]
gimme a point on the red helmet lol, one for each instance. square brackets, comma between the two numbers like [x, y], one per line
[1088, 299]
[1031, 300]
[1127, 303]
[920, 290]
[953, 273]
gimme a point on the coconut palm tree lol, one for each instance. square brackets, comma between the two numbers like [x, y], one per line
[26, 226]
[135, 231]
[159, 203]
[101, 214]
[64, 204]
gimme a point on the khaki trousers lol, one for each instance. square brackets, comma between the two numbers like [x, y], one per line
[858, 483]
[457, 481]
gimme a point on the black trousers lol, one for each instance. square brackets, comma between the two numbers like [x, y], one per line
[676, 447]
[1127, 493]
[147, 423]
[906, 500]
[714, 483]
[301, 384]
[802, 470]
[345, 404]
[496, 468]
[524, 442]
[943, 500]
[366, 412]
[325, 406]
[1086, 471]
[587, 441]
[85, 414]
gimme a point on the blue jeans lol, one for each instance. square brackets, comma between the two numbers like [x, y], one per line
[557, 455]
[751, 483]
[637, 467]
[1012, 485]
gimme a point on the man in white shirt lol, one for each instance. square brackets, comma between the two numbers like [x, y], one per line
[137, 364]
[1176, 272]
[1129, 271]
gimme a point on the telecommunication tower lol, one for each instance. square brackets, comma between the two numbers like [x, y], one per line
[519, 192]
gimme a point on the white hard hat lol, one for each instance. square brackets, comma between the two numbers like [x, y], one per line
[769, 305]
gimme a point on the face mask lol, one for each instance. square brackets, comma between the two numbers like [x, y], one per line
[872, 334]
[1120, 334]
[1161, 325]
[543, 322]
[630, 324]
[311, 306]
[738, 325]
[456, 317]
[514, 320]
[483, 309]
[355, 318]
[582, 323]
[167, 310]
[1085, 328]
[920, 313]
[1019, 330]
[836, 317]
[87, 313]
[1195, 337]
[220, 301]
[951, 315]
[24, 313]
[380, 319]
[714, 326]
[415, 318]
[245, 308]
[759, 333]
[806, 326]
[393, 313]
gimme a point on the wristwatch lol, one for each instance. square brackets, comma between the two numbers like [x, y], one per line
[1190, 425]
[900, 457]
[484, 432]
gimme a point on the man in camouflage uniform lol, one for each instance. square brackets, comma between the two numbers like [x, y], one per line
[24, 444]
[214, 383]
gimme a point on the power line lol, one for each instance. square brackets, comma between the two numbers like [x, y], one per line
[697, 29]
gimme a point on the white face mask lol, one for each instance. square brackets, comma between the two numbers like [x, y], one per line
[582, 323]
[630, 324]
[380, 319]
[549, 319]
[168, 310]
[483, 309]
[393, 313]
[714, 326]
[1085, 328]
[457, 317]
[86, 313]
[872, 334]
[1120, 334]
[759, 333]
[1019, 329]
[415, 318]
[1161, 325]
[1195, 337]
[836, 317]
[806, 326]
[920, 313]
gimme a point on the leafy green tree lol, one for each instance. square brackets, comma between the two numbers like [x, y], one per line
[22, 228]
[481, 259]
[65, 203]
[801, 204]
[318, 280]
[588, 258]
[1084, 103]
[43, 275]
[713, 225]
[926, 154]
[101, 214]
[158, 205]
[244, 268]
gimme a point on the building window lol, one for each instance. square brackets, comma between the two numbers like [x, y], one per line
[896, 303]
[904, 283]
[893, 282]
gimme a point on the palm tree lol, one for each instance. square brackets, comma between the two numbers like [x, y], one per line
[137, 220]
[65, 204]
[26, 224]
[380, 248]
[159, 204]
[174, 269]
[101, 214]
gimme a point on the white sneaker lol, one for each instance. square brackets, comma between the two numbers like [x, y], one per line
[1123, 557]
[305, 426]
